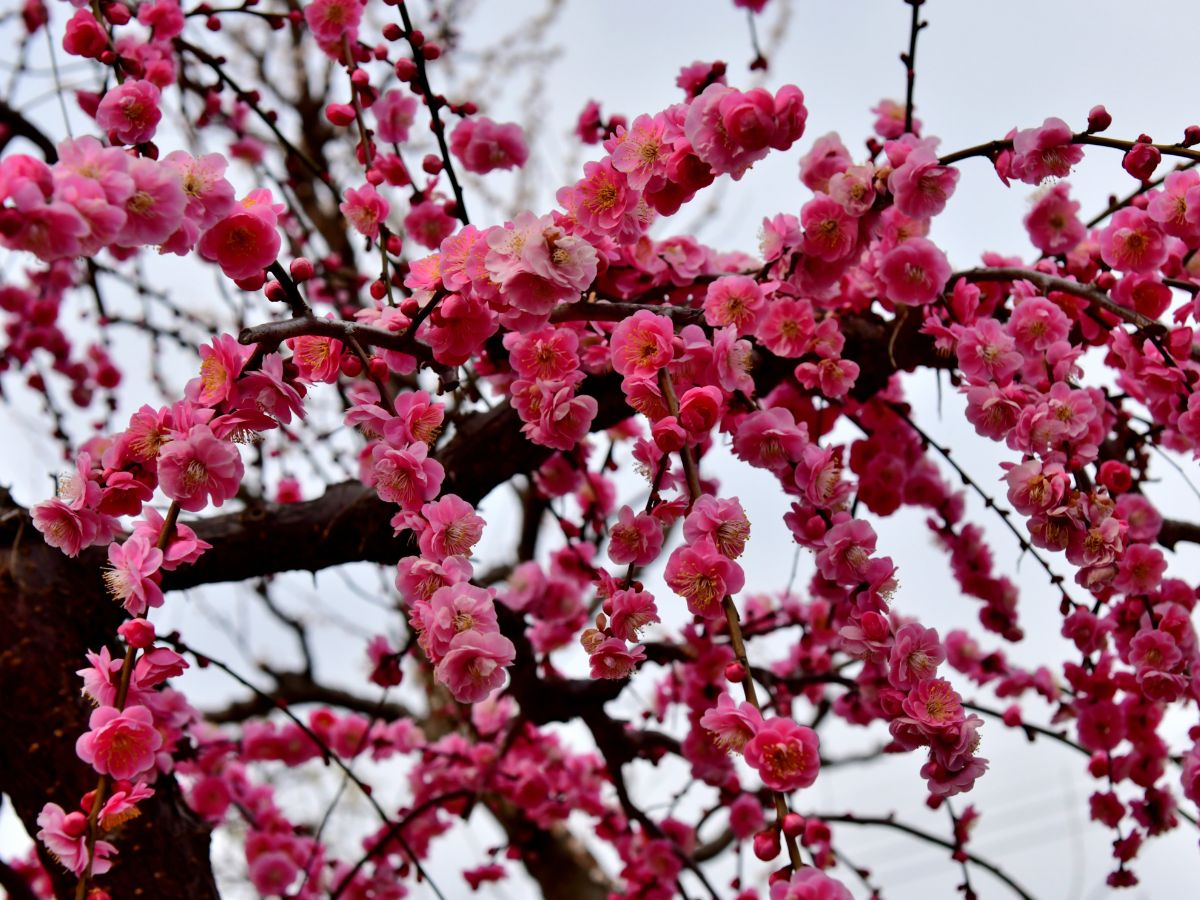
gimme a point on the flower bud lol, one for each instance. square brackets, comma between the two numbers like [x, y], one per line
[301, 269]
[406, 69]
[793, 825]
[1142, 159]
[137, 633]
[1098, 119]
[766, 845]
[340, 114]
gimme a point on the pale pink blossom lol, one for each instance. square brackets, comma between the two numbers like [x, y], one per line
[65, 837]
[133, 577]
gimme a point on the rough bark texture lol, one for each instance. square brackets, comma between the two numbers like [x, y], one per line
[52, 610]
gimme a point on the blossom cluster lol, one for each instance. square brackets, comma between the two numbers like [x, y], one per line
[581, 318]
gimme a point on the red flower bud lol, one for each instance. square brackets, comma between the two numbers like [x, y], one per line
[766, 845]
[137, 633]
[301, 269]
[275, 292]
[406, 69]
[793, 825]
[1142, 159]
[1098, 119]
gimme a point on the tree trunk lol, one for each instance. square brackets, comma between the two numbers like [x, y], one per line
[52, 610]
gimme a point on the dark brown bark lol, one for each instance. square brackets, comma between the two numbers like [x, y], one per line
[52, 610]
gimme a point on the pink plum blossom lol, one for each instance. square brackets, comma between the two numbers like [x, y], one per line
[474, 665]
[810, 884]
[133, 576]
[365, 209]
[130, 111]
[642, 344]
[785, 755]
[65, 837]
[703, 576]
[246, 241]
[199, 469]
[914, 273]
[454, 528]
[1044, 152]
[634, 539]
[394, 114]
[484, 146]
[121, 743]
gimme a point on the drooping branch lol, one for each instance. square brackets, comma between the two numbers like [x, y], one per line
[927, 837]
